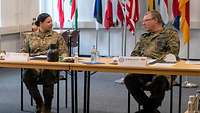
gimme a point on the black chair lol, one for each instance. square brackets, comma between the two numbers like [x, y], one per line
[171, 94]
[39, 83]
[72, 38]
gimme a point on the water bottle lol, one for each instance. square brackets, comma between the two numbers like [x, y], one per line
[76, 57]
[93, 54]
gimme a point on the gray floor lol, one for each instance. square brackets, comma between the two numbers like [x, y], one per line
[106, 96]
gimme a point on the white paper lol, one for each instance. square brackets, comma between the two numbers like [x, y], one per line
[39, 57]
[192, 62]
[162, 64]
[17, 57]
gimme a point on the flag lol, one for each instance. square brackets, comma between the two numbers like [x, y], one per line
[151, 5]
[98, 13]
[108, 18]
[164, 10]
[73, 8]
[176, 14]
[74, 13]
[61, 13]
[185, 19]
[132, 15]
[158, 1]
[120, 14]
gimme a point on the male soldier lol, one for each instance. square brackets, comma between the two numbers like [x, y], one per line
[37, 44]
[156, 44]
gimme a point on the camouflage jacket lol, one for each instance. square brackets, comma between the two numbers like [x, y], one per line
[157, 45]
[37, 43]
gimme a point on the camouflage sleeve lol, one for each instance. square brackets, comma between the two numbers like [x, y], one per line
[25, 45]
[173, 43]
[63, 48]
[138, 48]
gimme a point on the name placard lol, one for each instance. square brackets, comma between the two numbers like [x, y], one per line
[132, 61]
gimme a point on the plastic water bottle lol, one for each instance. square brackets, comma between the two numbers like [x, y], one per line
[93, 54]
[76, 57]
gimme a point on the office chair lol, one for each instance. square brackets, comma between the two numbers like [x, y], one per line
[72, 38]
[173, 77]
[39, 83]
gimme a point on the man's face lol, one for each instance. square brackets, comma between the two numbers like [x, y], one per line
[47, 24]
[149, 22]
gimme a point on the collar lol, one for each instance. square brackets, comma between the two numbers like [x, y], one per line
[44, 34]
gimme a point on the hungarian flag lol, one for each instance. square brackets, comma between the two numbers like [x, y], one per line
[120, 14]
[176, 14]
[61, 13]
[74, 13]
[132, 15]
[151, 5]
[108, 18]
[185, 19]
[164, 10]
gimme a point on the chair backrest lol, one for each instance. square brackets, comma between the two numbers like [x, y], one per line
[71, 37]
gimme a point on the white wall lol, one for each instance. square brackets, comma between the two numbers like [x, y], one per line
[17, 14]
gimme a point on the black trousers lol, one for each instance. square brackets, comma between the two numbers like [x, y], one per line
[32, 78]
[157, 85]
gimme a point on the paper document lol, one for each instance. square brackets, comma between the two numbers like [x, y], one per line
[193, 62]
[39, 57]
[163, 64]
[150, 60]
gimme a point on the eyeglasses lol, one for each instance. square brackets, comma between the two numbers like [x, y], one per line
[148, 19]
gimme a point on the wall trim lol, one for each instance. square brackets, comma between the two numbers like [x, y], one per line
[14, 29]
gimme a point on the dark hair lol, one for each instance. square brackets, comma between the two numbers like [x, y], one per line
[41, 18]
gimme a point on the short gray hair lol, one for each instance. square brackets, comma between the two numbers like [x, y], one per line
[156, 15]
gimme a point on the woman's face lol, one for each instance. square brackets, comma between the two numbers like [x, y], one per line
[46, 25]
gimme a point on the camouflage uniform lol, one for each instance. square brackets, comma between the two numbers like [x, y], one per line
[37, 43]
[156, 46]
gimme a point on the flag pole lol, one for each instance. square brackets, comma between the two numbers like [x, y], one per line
[122, 30]
[186, 83]
[97, 35]
[109, 42]
[124, 34]
[124, 41]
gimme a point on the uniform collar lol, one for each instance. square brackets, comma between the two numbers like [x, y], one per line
[44, 34]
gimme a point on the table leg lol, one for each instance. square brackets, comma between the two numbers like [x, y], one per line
[180, 94]
[72, 90]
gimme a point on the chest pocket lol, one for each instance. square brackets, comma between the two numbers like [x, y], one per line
[161, 43]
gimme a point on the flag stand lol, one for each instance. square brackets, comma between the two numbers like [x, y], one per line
[186, 83]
